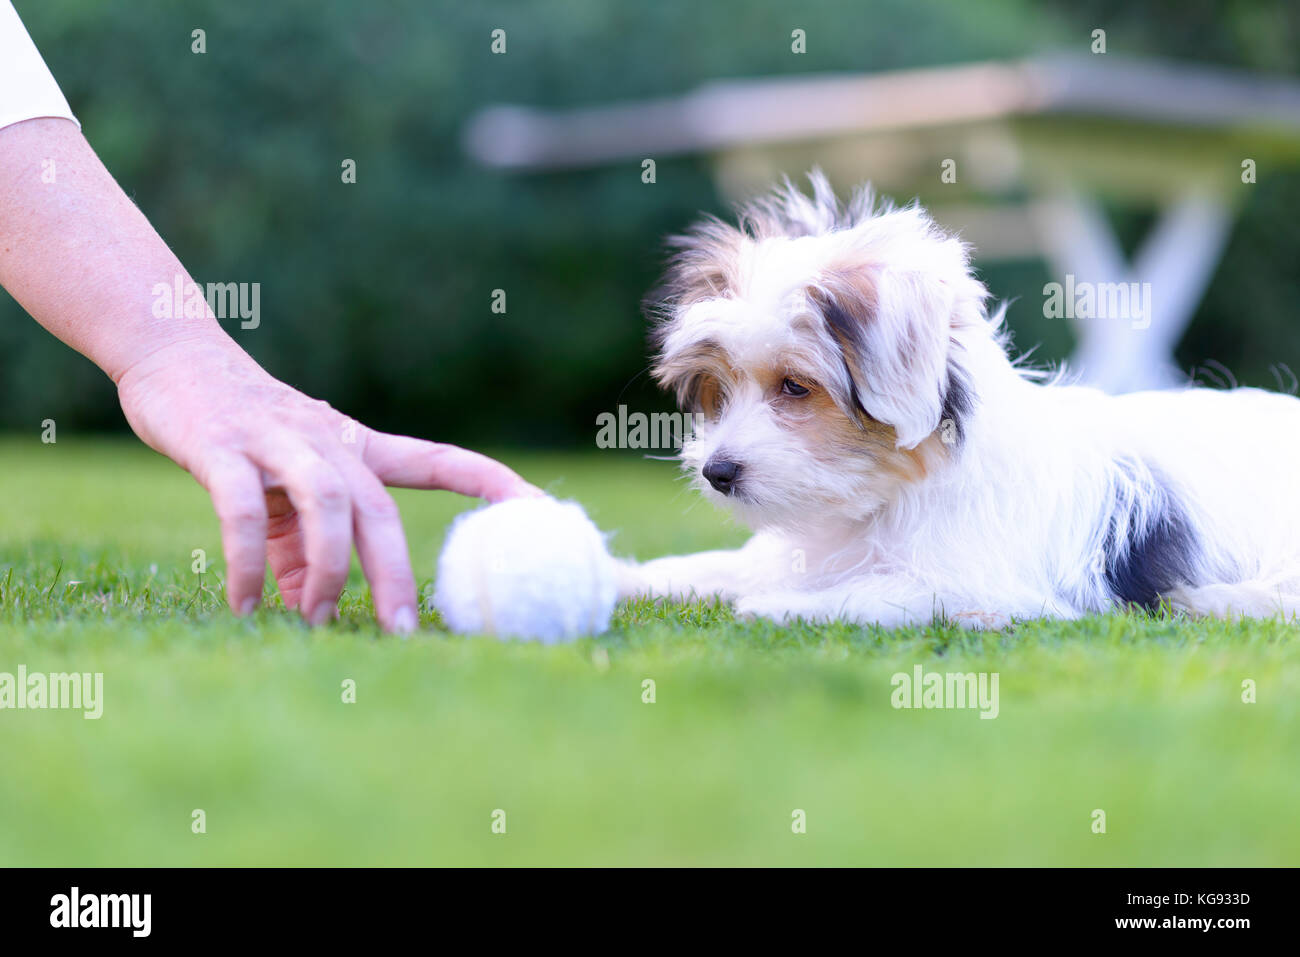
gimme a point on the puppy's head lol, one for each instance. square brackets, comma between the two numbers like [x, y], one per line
[820, 346]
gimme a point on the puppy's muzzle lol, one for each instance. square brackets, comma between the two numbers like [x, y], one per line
[722, 475]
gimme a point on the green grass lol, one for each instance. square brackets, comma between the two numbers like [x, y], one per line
[1140, 717]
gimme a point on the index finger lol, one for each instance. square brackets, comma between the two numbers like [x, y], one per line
[406, 462]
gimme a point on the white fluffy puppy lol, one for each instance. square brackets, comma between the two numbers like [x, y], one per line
[862, 415]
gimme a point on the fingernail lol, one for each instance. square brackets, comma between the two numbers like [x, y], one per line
[323, 613]
[247, 607]
[404, 620]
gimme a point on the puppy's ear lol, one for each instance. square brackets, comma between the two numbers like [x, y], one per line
[892, 329]
[703, 265]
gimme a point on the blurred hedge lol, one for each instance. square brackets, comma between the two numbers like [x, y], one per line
[376, 296]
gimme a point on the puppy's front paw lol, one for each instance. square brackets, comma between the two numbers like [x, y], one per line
[780, 607]
[982, 620]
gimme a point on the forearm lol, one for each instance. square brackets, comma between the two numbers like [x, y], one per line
[79, 256]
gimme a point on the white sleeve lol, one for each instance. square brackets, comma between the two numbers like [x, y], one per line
[27, 88]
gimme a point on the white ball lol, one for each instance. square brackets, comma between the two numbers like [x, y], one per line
[528, 568]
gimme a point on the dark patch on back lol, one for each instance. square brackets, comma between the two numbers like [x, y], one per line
[1157, 552]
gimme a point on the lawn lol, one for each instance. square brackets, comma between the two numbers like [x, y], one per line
[1142, 718]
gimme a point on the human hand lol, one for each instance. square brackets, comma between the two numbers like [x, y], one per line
[291, 479]
[294, 481]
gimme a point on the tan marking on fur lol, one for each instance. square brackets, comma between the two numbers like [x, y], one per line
[834, 436]
[697, 375]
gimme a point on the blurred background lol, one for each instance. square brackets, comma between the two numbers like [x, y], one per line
[377, 296]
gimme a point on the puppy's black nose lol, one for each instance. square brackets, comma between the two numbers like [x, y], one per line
[722, 475]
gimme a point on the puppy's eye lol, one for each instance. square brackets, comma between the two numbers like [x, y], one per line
[792, 388]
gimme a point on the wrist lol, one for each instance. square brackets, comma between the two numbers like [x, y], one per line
[201, 353]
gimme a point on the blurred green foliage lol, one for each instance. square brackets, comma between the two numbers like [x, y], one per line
[376, 296]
